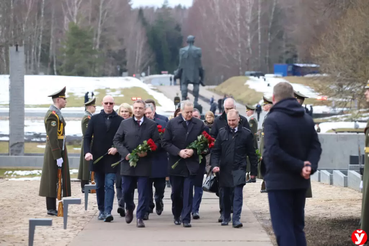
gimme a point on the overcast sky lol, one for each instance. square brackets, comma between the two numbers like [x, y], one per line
[159, 3]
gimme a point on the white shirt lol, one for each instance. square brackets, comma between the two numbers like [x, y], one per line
[141, 120]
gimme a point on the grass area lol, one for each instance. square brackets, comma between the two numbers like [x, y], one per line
[120, 96]
[31, 148]
[236, 87]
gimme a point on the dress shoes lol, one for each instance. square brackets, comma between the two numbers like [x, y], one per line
[224, 223]
[187, 224]
[159, 207]
[177, 221]
[220, 219]
[52, 212]
[129, 216]
[121, 211]
[251, 180]
[237, 224]
[108, 218]
[146, 216]
[196, 216]
[140, 223]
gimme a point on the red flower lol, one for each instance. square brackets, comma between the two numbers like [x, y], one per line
[151, 144]
[159, 126]
[211, 145]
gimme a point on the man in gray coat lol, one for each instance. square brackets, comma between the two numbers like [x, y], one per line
[233, 145]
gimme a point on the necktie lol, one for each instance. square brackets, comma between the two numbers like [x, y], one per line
[233, 130]
[139, 122]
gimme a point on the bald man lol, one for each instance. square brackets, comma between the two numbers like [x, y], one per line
[103, 127]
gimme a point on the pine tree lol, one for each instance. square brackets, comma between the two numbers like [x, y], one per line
[78, 55]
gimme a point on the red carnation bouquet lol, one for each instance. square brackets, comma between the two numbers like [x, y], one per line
[161, 130]
[200, 145]
[145, 147]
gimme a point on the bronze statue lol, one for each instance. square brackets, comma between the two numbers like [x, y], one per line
[190, 69]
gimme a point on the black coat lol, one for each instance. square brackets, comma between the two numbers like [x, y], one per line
[160, 157]
[221, 122]
[102, 140]
[178, 136]
[128, 137]
[289, 140]
[160, 117]
[230, 155]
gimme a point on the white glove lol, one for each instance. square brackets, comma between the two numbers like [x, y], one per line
[361, 185]
[59, 162]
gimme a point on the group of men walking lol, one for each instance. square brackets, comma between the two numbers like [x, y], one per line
[289, 154]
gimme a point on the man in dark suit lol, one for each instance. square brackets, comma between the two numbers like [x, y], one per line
[291, 154]
[131, 133]
[233, 145]
[156, 116]
[102, 128]
[180, 132]
[159, 171]
[219, 123]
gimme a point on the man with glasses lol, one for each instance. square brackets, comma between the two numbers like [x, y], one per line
[84, 166]
[55, 156]
[103, 127]
[221, 122]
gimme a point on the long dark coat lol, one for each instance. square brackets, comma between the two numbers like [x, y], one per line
[102, 140]
[221, 122]
[160, 157]
[128, 137]
[84, 166]
[178, 136]
[365, 202]
[55, 133]
[230, 155]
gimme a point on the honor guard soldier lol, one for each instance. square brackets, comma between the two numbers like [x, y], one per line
[267, 104]
[85, 166]
[254, 128]
[301, 98]
[55, 156]
[365, 203]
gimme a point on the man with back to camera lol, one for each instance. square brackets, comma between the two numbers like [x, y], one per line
[221, 122]
[291, 154]
[180, 132]
[102, 127]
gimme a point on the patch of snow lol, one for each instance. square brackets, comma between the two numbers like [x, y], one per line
[326, 126]
[41, 146]
[26, 179]
[258, 84]
[38, 87]
[22, 173]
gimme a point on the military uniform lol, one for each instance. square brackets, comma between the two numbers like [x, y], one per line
[55, 134]
[85, 166]
[261, 149]
[300, 97]
[254, 128]
[365, 190]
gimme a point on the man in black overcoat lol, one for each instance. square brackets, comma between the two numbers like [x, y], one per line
[159, 170]
[180, 132]
[131, 133]
[102, 128]
[233, 145]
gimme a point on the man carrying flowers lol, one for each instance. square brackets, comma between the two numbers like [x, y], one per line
[136, 139]
[179, 134]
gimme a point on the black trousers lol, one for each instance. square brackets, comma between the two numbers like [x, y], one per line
[50, 203]
[287, 211]
[220, 195]
[182, 196]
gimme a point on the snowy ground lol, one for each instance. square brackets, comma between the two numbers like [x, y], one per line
[38, 87]
[326, 126]
[19, 175]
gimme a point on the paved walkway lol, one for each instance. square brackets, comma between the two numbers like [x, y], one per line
[161, 231]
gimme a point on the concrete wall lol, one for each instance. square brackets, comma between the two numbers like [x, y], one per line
[337, 149]
[31, 161]
[326, 177]
[339, 179]
[315, 176]
[353, 180]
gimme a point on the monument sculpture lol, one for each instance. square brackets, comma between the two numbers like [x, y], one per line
[190, 69]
